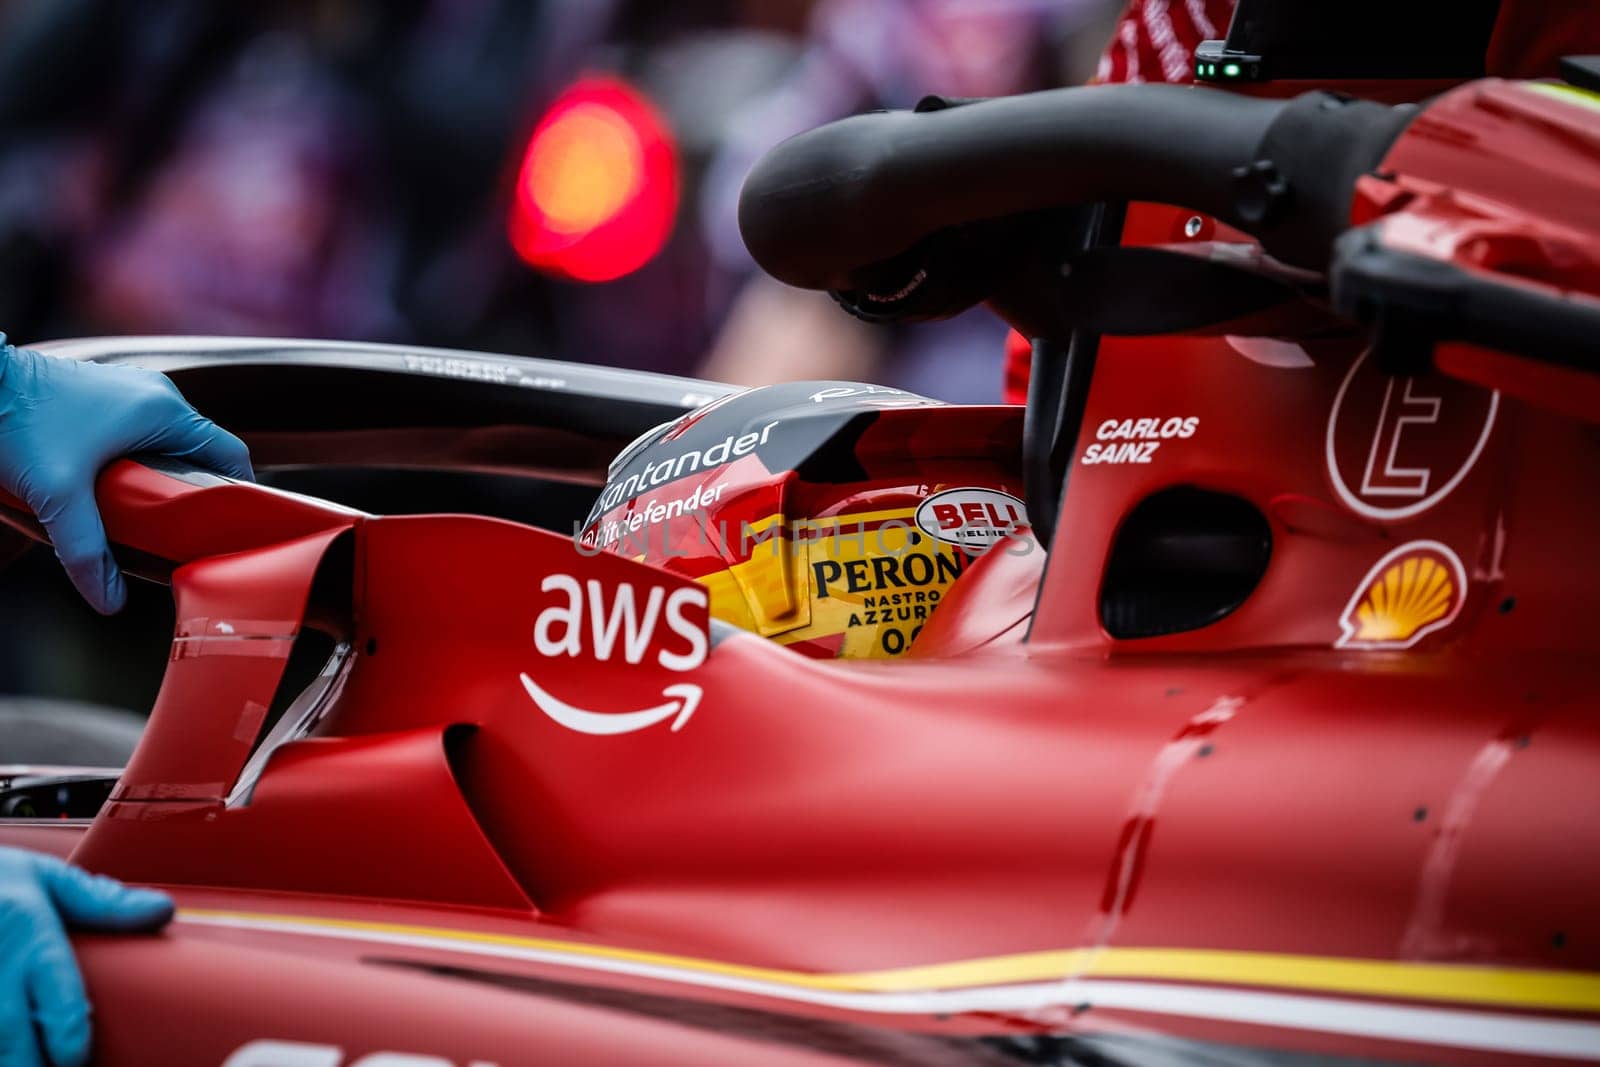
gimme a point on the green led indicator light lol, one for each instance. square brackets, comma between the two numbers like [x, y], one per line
[1231, 70]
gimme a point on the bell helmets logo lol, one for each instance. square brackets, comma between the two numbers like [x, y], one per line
[1397, 446]
[608, 625]
[970, 518]
[1413, 591]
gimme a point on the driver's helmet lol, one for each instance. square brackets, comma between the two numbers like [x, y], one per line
[831, 517]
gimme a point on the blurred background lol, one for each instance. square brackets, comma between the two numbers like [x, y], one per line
[554, 178]
[545, 177]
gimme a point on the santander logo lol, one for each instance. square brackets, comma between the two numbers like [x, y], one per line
[637, 624]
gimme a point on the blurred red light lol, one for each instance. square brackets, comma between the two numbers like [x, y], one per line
[598, 186]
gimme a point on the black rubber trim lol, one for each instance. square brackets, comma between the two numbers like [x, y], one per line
[1046, 375]
[821, 209]
[320, 403]
[1058, 394]
[1317, 147]
[878, 207]
[1413, 301]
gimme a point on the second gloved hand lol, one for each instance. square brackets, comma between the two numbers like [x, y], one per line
[62, 421]
[41, 990]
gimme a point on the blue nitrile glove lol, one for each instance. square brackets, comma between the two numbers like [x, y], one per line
[42, 1002]
[61, 421]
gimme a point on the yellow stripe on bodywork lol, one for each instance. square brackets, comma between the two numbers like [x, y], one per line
[1455, 983]
[1570, 94]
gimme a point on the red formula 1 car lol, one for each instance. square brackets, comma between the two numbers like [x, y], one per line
[1274, 740]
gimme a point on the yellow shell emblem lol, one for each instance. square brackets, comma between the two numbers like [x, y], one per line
[1411, 592]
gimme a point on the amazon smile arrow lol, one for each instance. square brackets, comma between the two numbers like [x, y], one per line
[682, 701]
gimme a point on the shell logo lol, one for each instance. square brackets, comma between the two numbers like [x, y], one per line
[1411, 592]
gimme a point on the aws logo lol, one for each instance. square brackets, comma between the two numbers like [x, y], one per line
[1411, 592]
[597, 620]
[599, 623]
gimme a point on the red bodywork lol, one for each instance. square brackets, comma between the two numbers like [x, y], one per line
[1292, 828]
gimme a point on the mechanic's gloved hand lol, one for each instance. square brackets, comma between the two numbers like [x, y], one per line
[61, 421]
[42, 1002]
